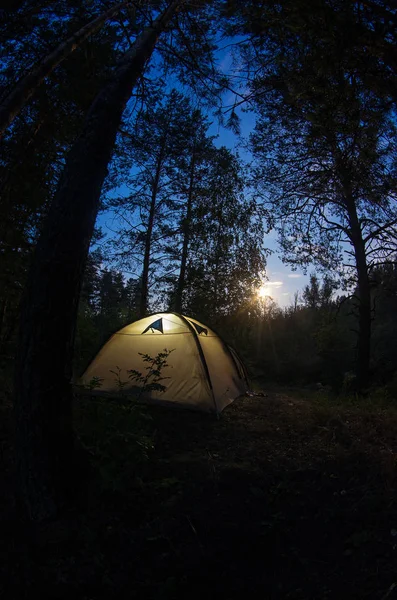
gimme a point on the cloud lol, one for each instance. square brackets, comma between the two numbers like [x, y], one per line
[294, 275]
[285, 294]
[275, 284]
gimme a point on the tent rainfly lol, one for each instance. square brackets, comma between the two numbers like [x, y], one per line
[203, 372]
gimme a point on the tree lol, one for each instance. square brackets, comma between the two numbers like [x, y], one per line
[34, 149]
[329, 178]
[25, 88]
[43, 393]
[184, 203]
[198, 152]
[149, 166]
[361, 35]
[45, 435]
[107, 302]
[318, 296]
[384, 298]
[333, 186]
[226, 258]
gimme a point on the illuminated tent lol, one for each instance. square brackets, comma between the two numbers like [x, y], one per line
[203, 372]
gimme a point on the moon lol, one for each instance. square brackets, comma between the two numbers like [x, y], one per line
[264, 291]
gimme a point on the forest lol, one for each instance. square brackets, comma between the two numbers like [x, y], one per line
[151, 151]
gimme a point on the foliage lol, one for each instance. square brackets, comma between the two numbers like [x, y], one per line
[183, 223]
[300, 471]
[325, 156]
[43, 132]
[312, 342]
[145, 382]
[118, 437]
[107, 303]
[226, 258]
[147, 212]
[317, 296]
[150, 381]
[119, 426]
[306, 343]
[384, 307]
[95, 383]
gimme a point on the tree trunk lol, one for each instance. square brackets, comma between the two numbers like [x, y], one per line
[364, 317]
[364, 293]
[43, 404]
[186, 239]
[218, 252]
[3, 307]
[144, 299]
[27, 86]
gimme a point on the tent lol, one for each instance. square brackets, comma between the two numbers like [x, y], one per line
[203, 372]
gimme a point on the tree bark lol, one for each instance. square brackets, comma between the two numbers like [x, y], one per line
[3, 307]
[27, 86]
[43, 403]
[364, 318]
[218, 256]
[364, 299]
[144, 299]
[186, 239]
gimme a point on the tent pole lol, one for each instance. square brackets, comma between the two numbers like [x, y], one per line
[201, 354]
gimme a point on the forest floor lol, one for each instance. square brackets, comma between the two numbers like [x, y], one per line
[285, 496]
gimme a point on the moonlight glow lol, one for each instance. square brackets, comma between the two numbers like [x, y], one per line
[263, 291]
[268, 288]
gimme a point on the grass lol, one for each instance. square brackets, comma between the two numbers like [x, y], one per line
[288, 496]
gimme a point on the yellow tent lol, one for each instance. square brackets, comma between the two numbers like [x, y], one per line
[203, 372]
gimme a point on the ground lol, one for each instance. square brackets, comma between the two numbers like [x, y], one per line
[284, 496]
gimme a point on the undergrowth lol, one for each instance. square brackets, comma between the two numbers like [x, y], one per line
[117, 434]
[290, 495]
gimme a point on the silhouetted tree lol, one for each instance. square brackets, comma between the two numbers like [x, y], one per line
[325, 148]
[44, 433]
